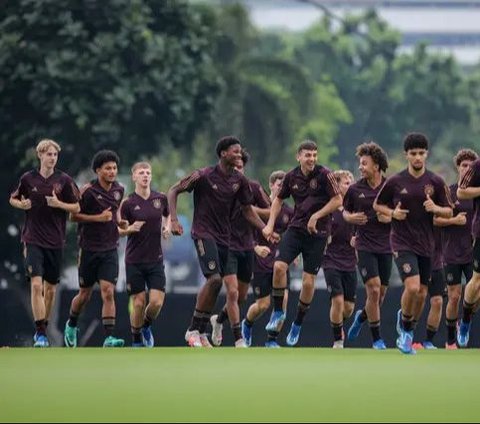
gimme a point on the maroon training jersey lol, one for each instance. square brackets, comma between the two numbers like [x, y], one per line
[414, 234]
[458, 240]
[374, 236]
[145, 246]
[472, 179]
[340, 255]
[310, 193]
[281, 225]
[214, 196]
[99, 236]
[45, 226]
[242, 237]
[437, 258]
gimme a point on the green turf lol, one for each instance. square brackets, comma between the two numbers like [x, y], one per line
[180, 384]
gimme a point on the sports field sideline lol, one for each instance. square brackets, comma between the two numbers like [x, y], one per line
[224, 384]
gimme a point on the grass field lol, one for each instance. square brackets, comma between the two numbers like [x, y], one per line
[180, 384]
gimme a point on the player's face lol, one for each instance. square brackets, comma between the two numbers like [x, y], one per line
[232, 155]
[367, 167]
[307, 159]
[142, 177]
[417, 158]
[49, 158]
[108, 172]
[276, 186]
[240, 166]
[463, 167]
[343, 184]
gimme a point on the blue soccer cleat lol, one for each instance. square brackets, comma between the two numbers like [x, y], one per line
[40, 340]
[272, 344]
[404, 343]
[379, 345]
[399, 322]
[463, 334]
[355, 328]
[276, 321]
[147, 336]
[428, 345]
[247, 333]
[294, 334]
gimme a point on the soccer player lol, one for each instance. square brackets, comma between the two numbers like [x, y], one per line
[412, 198]
[216, 189]
[241, 251]
[147, 214]
[372, 238]
[46, 195]
[339, 266]
[458, 246]
[98, 240]
[469, 188]
[316, 195]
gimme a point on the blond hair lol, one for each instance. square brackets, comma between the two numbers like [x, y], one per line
[45, 144]
[342, 173]
[141, 165]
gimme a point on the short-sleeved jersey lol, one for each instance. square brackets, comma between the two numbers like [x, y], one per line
[310, 194]
[45, 226]
[415, 233]
[145, 246]
[99, 236]
[472, 179]
[374, 236]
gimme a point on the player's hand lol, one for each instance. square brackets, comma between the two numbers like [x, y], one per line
[400, 214]
[267, 232]
[274, 238]
[136, 226]
[384, 219]
[353, 241]
[429, 205]
[106, 215]
[52, 200]
[312, 225]
[358, 218]
[167, 231]
[177, 229]
[123, 224]
[262, 251]
[25, 204]
[461, 218]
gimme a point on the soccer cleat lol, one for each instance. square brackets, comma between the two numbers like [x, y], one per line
[70, 336]
[135, 344]
[147, 336]
[247, 333]
[429, 345]
[193, 338]
[355, 328]
[379, 345]
[240, 343]
[272, 344]
[399, 322]
[404, 342]
[452, 346]
[417, 346]
[40, 340]
[276, 321]
[338, 344]
[217, 330]
[294, 334]
[463, 334]
[204, 340]
[112, 341]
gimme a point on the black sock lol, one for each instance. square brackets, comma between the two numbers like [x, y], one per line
[203, 324]
[414, 324]
[222, 316]
[237, 332]
[197, 320]
[147, 322]
[451, 331]
[302, 310]
[40, 327]
[363, 316]
[375, 330]
[272, 336]
[278, 295]
[467, 311]
[407, 323]
[46, 323]
[248, 323]
[108, 325]
[337, 330]
[73, 319]
[431, 333]
[136, 334]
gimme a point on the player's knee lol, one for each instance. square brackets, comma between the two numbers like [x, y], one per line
[308, 281]
[454, 297]
[37, 287]
[215, 282]
[107, 294]
[374, 293]
[280, 267]
[436, 302]
[138, 301]
[348, 308]
[50, 291]
[156, 302]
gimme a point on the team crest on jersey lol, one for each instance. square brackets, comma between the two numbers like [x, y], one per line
[117, 196]
[257, 291]
[313, 184]
[429, 190]
[214, 186]
[450, 277]
[407, 268]
[211, 265]
[475, 264]
[57, 188]
[30, 269]
[157, 203]
[235, 187]
[285, 218]
[364, 272]
[295, 187]
[277, 254]
[361, 196]
[129, 287]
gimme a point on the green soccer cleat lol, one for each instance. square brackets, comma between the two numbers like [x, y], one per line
[70, 336]
[111, 341]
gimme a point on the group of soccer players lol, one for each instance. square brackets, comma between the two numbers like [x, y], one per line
[245, 237]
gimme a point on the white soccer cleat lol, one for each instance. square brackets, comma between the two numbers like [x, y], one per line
[204, 340]
[217, 330]
[338, 344]
[240, 343]
[193, 338]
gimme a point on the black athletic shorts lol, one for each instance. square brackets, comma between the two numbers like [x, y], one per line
[437, 285]
[262, 283]
[410, 264]
[241, 265]
[341, 283]
[476, 256]
[213, 257]
[149, 275]
[296, 241]
[453, 273]
[43, 262]
[96, 266]
[373, 265]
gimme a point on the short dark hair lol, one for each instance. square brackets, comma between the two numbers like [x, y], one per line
[464, 154]
[377, 154]
[225, 142]
[104, 156]
[276, 175]
[245, 156]
[415, 140]
[307, 145]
